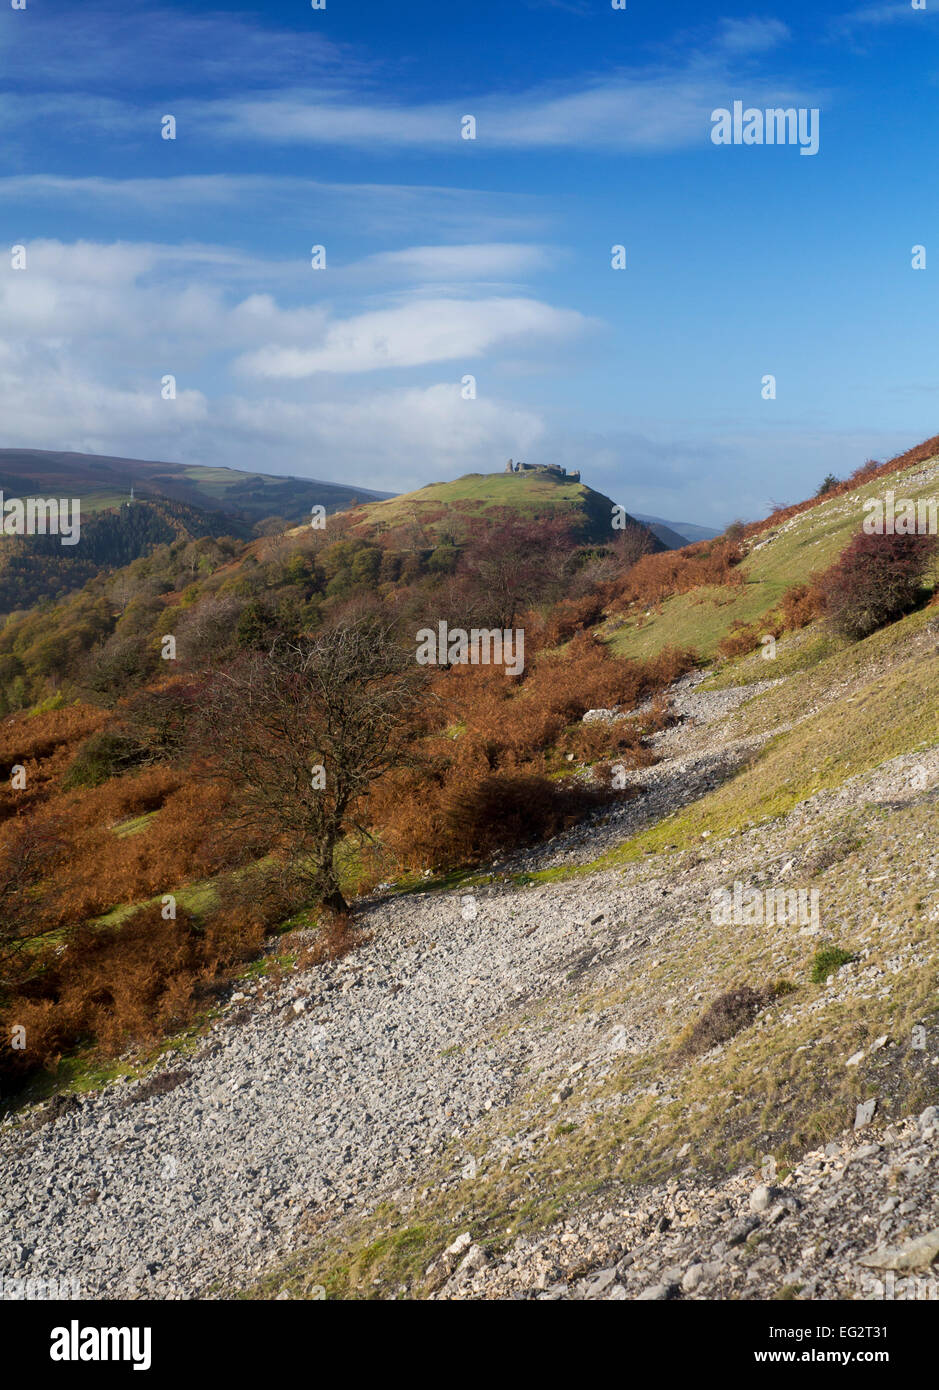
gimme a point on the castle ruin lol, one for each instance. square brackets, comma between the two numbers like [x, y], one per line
[555, 468]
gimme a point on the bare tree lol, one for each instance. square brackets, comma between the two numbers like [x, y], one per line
[630, 544]
[515, 564]
[301, 732]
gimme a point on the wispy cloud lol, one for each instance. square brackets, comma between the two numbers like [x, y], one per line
[472, 262]
[415, 334]
[893, 12]
[395, 209]
[134, 45]
[641, 108]
[640, 113]
[751, 35]
[861, 23]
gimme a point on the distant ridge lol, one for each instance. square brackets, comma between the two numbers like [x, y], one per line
[677, 534]
[103, 481]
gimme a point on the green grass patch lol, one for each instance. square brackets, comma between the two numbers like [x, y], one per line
[894, 715]
[134, 826]
[826, 961]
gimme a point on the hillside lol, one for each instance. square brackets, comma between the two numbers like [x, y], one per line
[550, 1069]
[480, 496]
[171, 502]
[35, 569]
[663, 533]
[678, 532]
[779, 555]
[104, 482]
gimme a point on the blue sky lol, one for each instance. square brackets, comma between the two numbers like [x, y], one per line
[490, 257]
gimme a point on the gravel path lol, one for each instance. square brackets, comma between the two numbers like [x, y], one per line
[694, 755]
[342, 1086]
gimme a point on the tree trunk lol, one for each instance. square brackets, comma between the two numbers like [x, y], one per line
[334, 900]
[326, 884]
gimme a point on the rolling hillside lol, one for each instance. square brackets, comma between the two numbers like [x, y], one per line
[780, 555]
[676, 534]
[171, 502]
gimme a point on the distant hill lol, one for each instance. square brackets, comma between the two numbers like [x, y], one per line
[35, 568]
[172, 501]
[674, 535]
[532, 496]
[103, 482]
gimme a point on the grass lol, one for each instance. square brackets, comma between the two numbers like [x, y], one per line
[826, 961]
[531, 495]
[832, 666]
[796, 652]
[897, 713]
[698, 620]
[806, 544]
[198, 898]
[135, 825]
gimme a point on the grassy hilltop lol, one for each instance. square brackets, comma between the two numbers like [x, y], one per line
[529, 496]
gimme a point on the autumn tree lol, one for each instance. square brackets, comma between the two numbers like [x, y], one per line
[302, 731]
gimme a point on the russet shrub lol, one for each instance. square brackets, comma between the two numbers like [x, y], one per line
[730, 1012]
[876, 580]
[505, 810]
[800, 605]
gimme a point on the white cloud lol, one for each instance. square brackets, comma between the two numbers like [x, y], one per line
[461, 263]
[61, 406]
[666, 105]
[134, 43]
[858, 26]
[645, 107]
[90, 330]
[387, 209]
[414, 334]
[894, 12]
[132, 293]
[640, 112]
[393, 439]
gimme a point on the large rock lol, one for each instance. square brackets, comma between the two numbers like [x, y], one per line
[915, 1254]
